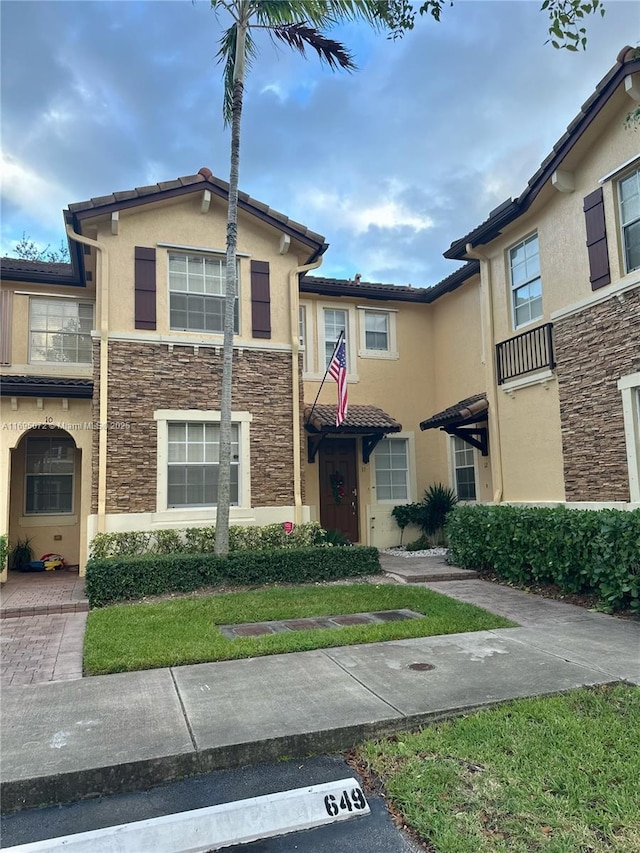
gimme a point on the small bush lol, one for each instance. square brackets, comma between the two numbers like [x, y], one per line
[128, 577]
[406, 514]
[420, 544]
[581, 551]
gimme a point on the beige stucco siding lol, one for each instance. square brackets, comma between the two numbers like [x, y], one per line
[181, 223]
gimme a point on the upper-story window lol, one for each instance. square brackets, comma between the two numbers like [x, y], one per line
[302, 334]
[526, 286]
[377, 332]
[197, 287]
[335, 322]
[60, 331]
[629, 191]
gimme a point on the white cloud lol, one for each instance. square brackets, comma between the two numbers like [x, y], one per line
[36, 196]
[359, 216]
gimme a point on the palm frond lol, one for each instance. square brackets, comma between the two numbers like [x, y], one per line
[302, 36]
[227, 54]
[320, 13]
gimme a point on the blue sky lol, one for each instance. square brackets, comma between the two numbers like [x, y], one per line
[391, 163]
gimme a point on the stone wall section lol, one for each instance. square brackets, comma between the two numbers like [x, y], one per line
[145, 377]
[594, 348]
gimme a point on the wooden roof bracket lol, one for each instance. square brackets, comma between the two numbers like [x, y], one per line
[369, 443]
[313, 445]
[468, 435]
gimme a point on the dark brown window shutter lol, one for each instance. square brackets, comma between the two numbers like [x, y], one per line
[145, 282]
[260, 300]
[596, 240]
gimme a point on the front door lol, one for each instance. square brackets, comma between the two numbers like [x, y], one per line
[338, 486]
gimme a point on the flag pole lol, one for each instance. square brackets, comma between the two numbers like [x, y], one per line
[324, 378]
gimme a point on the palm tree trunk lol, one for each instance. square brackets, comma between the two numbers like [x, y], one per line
[224, 475]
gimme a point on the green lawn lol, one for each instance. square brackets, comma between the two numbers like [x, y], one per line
[558, 774]
[183, 631]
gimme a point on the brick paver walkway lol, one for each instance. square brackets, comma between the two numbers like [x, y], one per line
[42, 622]
[258, 629]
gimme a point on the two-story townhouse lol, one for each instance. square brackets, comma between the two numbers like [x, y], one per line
[139, 440]
[560, 281]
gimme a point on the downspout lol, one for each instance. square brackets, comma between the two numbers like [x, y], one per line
[294, 287]
[102, 288]
[492, 391]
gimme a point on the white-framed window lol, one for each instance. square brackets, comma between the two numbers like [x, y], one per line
[335, 323]
[189, 458]
[193, 451]
[197, 289]
[377, 332]
[49, 474]
[60, 331]
[392, 470]
[302, 334]
[464, 469]
[629, 386]
[629, 198]
[526, 284]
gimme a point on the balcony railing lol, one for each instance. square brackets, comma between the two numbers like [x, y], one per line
[532, 350]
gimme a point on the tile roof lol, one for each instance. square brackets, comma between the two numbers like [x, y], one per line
[392, 292]
[627, 62]
[359, 419]
[45, 386]
[19, 265]
[471, 410]
[203, 180]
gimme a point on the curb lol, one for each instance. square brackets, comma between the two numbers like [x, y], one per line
[91, 783]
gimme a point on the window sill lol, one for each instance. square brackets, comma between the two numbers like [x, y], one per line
[381, 354]
[47, 520]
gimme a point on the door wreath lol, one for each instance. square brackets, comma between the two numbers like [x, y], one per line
[337, 486]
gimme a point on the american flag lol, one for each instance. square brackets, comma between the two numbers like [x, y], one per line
[338, 371]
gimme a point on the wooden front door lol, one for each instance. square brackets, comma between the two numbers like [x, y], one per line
[339, 487]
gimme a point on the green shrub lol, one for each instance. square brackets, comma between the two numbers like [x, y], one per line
[420, 544]
[201, 540]
[4, 551]
[128, 577]
[581, 551]
[406, 514]
[438, 502]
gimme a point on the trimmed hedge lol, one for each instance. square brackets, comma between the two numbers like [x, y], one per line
[122, 578]
[581, 551]
[201, 540]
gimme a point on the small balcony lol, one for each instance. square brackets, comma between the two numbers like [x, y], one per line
[525, 353]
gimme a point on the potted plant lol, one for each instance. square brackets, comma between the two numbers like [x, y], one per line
[20, 555]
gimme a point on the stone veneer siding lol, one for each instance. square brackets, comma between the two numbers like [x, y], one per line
[146, 377]
[594, 348]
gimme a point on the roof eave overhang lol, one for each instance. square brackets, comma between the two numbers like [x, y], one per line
[77, 217]
[30, 389]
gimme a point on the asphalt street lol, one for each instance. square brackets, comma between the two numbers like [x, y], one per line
[373, 833]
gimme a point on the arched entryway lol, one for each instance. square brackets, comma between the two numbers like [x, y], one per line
[45, 493]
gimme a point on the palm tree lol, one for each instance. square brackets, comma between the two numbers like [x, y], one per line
[298, 25]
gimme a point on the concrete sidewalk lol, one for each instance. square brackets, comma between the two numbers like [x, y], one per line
[66, 740]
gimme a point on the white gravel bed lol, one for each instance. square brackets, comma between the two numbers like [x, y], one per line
[402, 552]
